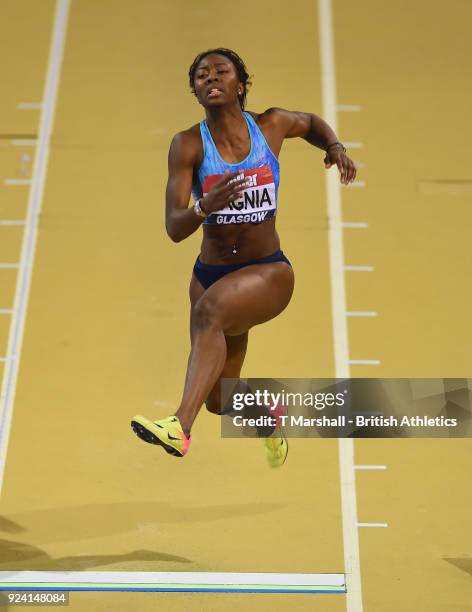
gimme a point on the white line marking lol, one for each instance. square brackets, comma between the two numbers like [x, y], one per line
[17, 181]
[12, 222]
[353, 145]
[180, 581]
[364, 361]
[359, 268]
[355, 224]
[372, 524]
[9, 265]
[5, 311]
[23, 282]
[370, 467]
[354, 108]
[29, 105]
[352, 313]
[23, 142]
[25, 164]
[339, 319]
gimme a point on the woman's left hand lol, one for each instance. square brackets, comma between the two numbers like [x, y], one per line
[346, 166]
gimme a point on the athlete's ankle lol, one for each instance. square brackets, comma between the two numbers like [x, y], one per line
[186, 427]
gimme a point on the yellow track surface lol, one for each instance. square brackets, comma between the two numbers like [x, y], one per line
[107, 322]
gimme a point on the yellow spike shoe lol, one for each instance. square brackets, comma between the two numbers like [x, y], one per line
[276, 449]
[166, 432]
[276, 445]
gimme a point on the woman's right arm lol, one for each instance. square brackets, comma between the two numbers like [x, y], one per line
[181, 220]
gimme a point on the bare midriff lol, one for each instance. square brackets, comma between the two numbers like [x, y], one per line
[251, 241]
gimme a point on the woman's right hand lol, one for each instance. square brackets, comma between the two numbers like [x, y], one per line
[224, 191]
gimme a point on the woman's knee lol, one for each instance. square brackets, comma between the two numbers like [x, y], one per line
[206, 313]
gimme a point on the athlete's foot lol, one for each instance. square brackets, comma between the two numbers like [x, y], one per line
[276, 449]
[166, 432]
[276, 445]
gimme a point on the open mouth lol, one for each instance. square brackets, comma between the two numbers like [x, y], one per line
[214, 93]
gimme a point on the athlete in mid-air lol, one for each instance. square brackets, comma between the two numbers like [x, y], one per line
[229, 162]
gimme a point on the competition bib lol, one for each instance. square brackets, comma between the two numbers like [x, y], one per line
[255, 204]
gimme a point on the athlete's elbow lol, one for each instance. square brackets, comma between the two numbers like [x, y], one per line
[173, 231]
[173, 234]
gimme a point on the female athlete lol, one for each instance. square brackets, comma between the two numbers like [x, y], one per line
[229, 161]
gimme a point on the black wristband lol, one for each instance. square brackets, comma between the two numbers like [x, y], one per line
[335, 143]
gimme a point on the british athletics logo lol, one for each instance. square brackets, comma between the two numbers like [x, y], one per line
[255, 204]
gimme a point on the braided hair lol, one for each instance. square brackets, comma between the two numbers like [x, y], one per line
[238, 64]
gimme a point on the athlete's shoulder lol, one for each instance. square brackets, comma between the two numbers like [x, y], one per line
[187, 137]
[186, 144]
[263, 117]
[287, 124]
[272, 118]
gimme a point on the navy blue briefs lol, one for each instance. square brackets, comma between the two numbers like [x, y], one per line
[208, 274]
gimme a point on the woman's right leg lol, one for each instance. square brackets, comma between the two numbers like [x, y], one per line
[230, 307]
[234, 354]
[236, 347]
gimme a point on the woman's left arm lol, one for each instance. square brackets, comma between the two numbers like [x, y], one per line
[310, 127]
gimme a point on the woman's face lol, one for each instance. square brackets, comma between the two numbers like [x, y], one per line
[216, 81]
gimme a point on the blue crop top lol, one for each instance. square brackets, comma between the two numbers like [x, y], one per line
[258, 202]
